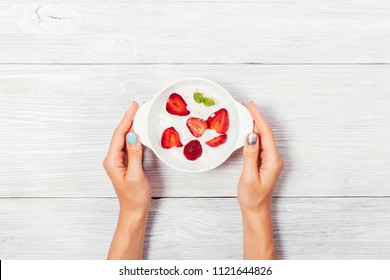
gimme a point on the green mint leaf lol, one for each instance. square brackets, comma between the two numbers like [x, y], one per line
[198, 97]
[208, 102]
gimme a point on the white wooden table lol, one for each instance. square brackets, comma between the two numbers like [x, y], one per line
[319, 71]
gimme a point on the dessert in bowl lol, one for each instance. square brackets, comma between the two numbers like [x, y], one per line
[193, 125]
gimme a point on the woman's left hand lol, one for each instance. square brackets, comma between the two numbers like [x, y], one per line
[123, 165]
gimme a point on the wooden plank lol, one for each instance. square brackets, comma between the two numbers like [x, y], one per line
[119, 31]
[331, 124]
[305, 228]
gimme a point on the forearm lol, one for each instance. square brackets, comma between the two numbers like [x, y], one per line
[128, 240]
[258, 235]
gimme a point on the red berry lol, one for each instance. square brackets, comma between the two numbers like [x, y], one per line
[176, 105]
[217, 141]
[197, 126]
[170, 138]
[193, 150]
[219, 121]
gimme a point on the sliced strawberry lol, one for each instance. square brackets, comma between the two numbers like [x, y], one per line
[197, 126]
[217, 141]
[193, 150]
[176, 105]
[170, 138]
[219, 121]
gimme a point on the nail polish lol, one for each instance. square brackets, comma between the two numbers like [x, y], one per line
[252, 139]
[131, 138]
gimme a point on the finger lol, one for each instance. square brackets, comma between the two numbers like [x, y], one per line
[255, 130]
[267, 141]
[134, 154]
[251, 157]
[118, 139]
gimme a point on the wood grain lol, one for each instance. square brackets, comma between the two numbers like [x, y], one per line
[318, 70]
[119, 31]
[331, 123]
[305, 228]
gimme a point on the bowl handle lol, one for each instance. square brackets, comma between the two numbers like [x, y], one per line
[246, 124]
[140, 123]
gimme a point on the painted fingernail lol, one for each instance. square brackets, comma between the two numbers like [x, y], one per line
[131, 138]
[251, 139]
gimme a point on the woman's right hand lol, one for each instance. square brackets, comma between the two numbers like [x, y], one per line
[262, 167]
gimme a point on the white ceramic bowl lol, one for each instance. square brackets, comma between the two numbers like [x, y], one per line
[152, 118]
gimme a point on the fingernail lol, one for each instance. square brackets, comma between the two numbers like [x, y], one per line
[251, 139]
[131, 138]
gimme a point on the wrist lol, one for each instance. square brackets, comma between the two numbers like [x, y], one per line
[260, 211]
[133, 216]
[130, 208]
[256, 218]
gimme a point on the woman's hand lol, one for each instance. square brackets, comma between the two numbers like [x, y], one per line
[262, 167]
[123, 164]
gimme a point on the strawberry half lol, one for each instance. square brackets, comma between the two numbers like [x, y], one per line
[176, 105]
[197, 126]
[170, 138]
[193, 150]
[217, 141]
[219, 121]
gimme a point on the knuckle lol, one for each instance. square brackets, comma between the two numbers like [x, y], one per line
[267, 130]
[251, 154]
[133, 179]
[278, 163]
[116, 132]
[107, 164]
[247, 180]
[281, 163]
[135, 152]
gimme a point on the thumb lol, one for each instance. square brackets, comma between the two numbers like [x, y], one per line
[134, 154]
[251, 157]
